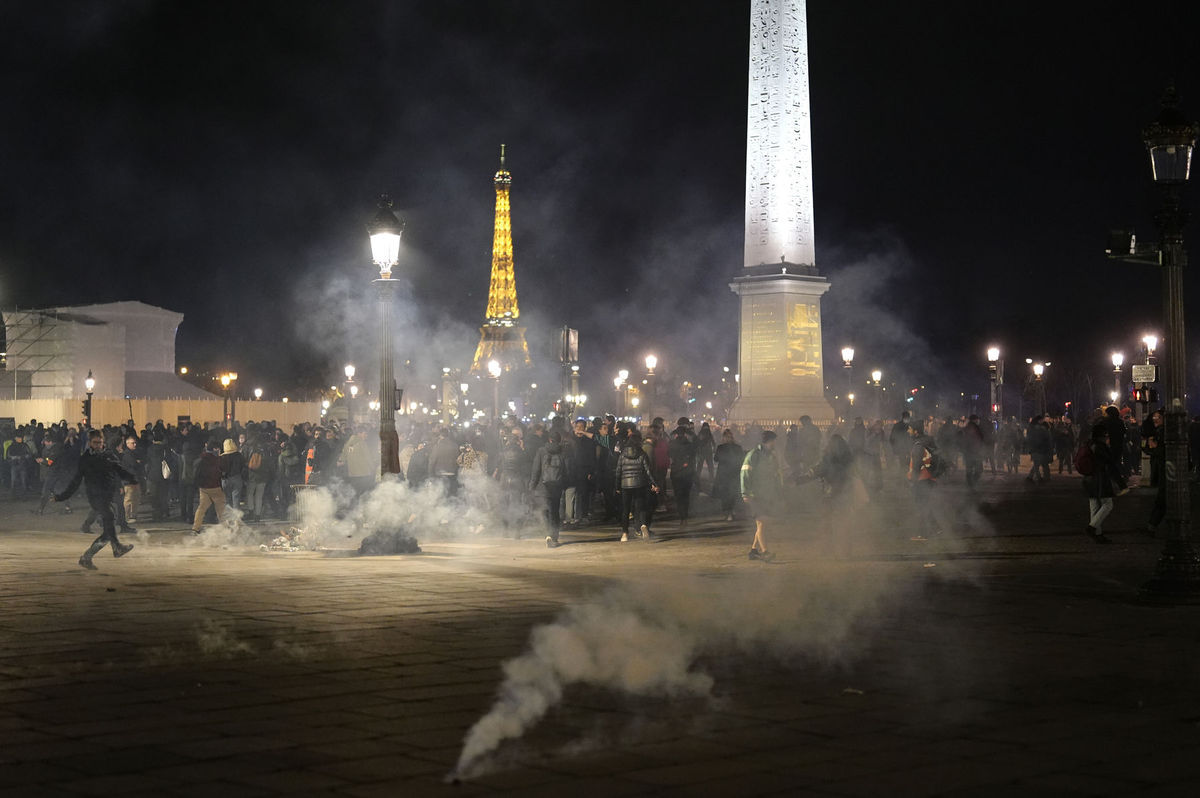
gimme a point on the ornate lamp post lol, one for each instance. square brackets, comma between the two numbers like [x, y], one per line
[258, 392]
[651, 364]
[1170, 140]
[619, 383]
[89, 384]
[494, 369]
[385, 230]
[995, 379]
[848, 365]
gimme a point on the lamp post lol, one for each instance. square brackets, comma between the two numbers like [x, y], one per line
[1170, 140]
[619, 381]
[1118, 360]
[876, 379]
[258, 392]
[227, 380]
[385, 230]
[651, 364]
[494, 369]
[995, 379]
[89, 384]
[848, 365]
[1039, 385]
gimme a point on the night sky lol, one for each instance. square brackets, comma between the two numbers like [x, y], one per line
[222, 158]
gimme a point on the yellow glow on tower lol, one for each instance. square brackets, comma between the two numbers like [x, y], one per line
[500, 337]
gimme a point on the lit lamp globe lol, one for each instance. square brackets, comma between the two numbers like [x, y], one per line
[89, 382]
[353, 391]
[1170, 139]
[494, 368]
[847, 355]
[1039, 369]
[635, 401]
[258, 393]
[1113, 396]
[623, 374]
[651, 363]
[1118, 360]
[993, 354]
[1151, 342]
[350, 371]
[385, 230]
[617, 382]
[876, 376]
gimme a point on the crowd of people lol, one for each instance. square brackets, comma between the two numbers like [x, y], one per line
[601, 470]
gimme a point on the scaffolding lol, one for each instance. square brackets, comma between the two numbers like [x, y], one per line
[38, 351]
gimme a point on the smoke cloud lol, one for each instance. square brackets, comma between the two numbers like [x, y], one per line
[648, 641]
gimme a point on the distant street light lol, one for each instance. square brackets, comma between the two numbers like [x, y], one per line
[995, 379]
[1039, 369]
[651, 363]
[494, 369]
[89, 384]
[1118, 360]
[385, 231]
[227, 380]
[848, 365]
[258, 392]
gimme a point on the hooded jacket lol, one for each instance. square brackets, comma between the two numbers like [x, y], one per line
[632, 470]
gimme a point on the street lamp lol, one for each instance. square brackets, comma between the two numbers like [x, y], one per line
[227, 380]
[494, 369]
[1039, 369]
[1118, 360]
[1151, 342]
[1170, 139]
[1114, 395]
[385, 230]
[995, 379]
[651, 364]
[258, 392]
[876, 378]
[848, 365]
[89, 384]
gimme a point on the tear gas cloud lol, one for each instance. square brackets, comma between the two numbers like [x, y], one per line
[647, 641]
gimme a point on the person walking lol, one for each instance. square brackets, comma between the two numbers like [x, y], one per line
[1105, 479]
[208, 482]
[102, 475]
[633, 476]
[1041, 450]
[762, 491]
[551, 474]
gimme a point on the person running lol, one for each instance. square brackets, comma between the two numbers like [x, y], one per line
[762, 491]
[102, 475]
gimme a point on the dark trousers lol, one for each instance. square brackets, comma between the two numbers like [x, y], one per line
[187, 500]
[117, 515]
[683, 494]
[554, 492]
[633, 500]
[108, 535]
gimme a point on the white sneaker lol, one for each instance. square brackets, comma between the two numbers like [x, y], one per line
[624, 537]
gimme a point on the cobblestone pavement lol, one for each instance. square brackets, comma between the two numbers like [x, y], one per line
[1009, 657]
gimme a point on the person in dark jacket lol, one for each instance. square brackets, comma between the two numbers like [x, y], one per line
[58, 465]
[552, 473]
[20, 460]
[102, 475]
[131, 462]
[159, 486]
[233, 473]
[726, 487]
[208, 482]
[762, 490]
[510, 472]
[1102, 484]
[418, 466]
[633, 476]
[681, 451]
[1041, 450]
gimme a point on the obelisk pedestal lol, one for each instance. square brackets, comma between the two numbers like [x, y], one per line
[780, 365]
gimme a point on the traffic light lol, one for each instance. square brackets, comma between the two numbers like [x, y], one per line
[87, 411]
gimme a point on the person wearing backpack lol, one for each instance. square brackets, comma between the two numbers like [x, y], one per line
[258, 474]
[551, 473]
[923, 472]
[1102, 483]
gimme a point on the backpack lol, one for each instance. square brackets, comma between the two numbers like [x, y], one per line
[552, 468]
[1085, 460]
[256, 460]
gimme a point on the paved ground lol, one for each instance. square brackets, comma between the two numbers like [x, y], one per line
[1008, 658]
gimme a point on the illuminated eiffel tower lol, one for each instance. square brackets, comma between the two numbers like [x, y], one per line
[501, 337]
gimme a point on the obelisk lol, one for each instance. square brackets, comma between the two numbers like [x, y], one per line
[779, 336]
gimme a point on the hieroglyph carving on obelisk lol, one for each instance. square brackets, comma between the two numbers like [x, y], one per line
[779, 189]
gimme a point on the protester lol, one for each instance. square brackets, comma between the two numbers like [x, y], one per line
[762, 491]
[102, 475]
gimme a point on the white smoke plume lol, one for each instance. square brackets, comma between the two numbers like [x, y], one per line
[647, 642]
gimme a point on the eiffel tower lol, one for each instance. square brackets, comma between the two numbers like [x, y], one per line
[501, 337]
